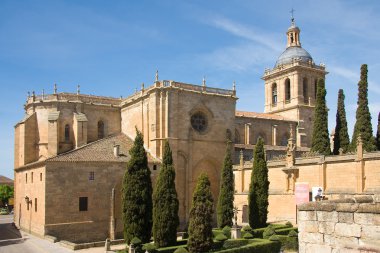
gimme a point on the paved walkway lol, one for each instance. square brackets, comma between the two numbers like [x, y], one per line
[14, 241]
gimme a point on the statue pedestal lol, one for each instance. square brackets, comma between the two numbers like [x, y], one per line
[235, 232]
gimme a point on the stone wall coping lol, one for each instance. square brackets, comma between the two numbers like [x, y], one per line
[363, 204]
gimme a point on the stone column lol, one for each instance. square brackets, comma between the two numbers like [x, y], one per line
[247, 130]
[112, 217]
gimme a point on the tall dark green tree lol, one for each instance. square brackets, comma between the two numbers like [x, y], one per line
[165, 203]
[363, 125]
[321, 140]
[137, 194]
[378, 133]
[341, 138]
[258, 189]
[200, 227]
[226, 193]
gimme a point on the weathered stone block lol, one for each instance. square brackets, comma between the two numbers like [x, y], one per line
[345, 217]
[311, 237]
[327, 216]
[343, 229]
[317, 248]
[341, 241]
[326, 227]
[370, 232]
[307, 215]
[363, 218]
[369, 208]
[301, 247]
[309, 226]
[347, 207]
[376, 219]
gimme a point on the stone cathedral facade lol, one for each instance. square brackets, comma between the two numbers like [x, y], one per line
[71, 149]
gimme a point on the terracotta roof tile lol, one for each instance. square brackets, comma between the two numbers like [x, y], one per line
[261, 115]
[101, 151]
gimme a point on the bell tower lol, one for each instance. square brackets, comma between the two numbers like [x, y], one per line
[290, 87]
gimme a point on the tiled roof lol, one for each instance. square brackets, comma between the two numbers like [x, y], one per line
[261, 115]
[5, 180]
[101, 151]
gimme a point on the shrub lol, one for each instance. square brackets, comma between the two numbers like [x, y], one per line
[227, 231]
[248, 235]
[268, 232]
[135, 241]
[293, 233]
[181, 250]
[288, 242]
[284, 231]
[247, 228]
[237, 243]
[253, 245]
[289, 224]
[170, 249]
[221, 237]
[274, 238]
[151, 248]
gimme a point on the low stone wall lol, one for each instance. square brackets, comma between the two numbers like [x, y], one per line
[347, 225]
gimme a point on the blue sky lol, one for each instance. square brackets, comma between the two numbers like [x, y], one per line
[111, 47]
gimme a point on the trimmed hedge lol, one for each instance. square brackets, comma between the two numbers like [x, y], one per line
[285, 231]
[170, 249]
[288, 242]
[255, 245]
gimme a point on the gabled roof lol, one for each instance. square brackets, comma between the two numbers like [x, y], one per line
[261, 116]
[100, 151]
[5, 180]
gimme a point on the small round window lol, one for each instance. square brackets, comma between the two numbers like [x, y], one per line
[199, 122]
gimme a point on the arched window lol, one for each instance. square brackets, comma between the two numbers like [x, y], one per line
[100, 129]
[305, 91]
[67, 132]
[287, 90]
[274, 94]
[315, 88]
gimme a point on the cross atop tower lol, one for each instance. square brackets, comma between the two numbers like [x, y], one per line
[292, 12]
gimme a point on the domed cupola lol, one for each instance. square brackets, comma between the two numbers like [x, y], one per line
[293, 50]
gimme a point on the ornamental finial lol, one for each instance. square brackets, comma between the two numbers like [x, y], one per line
[55, 88]
[78, 89]
[234, 85]
[204, 81]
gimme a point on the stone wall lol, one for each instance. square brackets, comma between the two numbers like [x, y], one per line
[348, 225]
[339, 176]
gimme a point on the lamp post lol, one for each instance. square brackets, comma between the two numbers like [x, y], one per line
[29, 201]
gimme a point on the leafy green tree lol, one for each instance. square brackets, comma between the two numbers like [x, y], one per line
[258, 189]
[321, 140]
[165, 203]
[226, 194]
[6, 192]
[137, 194]
[200, 227]
[378, 133]
[341, 138]
[363, 125]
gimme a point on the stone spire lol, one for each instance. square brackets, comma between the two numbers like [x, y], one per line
[78, 89]
[204, 81]
[156, 77]
[234, 86]
[55, 88]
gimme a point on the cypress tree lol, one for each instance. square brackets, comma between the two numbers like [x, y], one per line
[200, 227]
[320, 140]
[341, 138]
[137, 194]
[363, 125]
[258, 189]
[165, 203]
[226, 193]
[378, 133]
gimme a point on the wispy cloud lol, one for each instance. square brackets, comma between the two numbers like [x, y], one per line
[240, 30]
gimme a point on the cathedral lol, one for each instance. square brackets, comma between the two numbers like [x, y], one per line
[71, 149]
